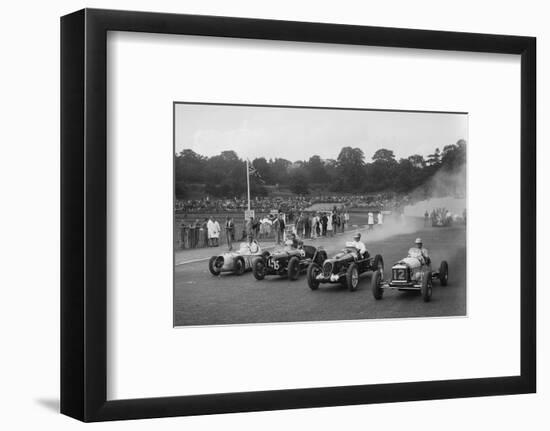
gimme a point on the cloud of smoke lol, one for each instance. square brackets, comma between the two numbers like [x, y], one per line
[394, 225]
[444, 190]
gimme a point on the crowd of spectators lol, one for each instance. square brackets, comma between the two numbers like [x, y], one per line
[383, 201]
[213, 231]
[204, 222]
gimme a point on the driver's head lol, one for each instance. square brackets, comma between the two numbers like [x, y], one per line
[357, 236]
[250, 238]
[292, 236]
[418, 242]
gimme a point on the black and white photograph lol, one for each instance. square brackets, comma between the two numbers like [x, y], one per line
[310, 214]
[240, 215]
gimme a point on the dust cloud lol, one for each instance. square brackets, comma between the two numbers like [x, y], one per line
[443, 190]
[394, 225]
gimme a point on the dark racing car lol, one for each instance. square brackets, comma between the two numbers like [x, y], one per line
[289, 261]
[345, 268]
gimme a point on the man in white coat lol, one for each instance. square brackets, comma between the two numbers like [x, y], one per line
[370, 220]
[216, 233]
[210, 231]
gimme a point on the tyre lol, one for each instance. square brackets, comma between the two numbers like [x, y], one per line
[293, 269]
[313, 270]
[426, 288]
[214, 270]
[258, 269]
[378, 264]
[352, 277]
[239, 266]
[376, 282]
[444, 273]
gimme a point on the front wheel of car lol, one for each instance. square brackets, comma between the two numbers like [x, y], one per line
[378, 264]
[239, 266]
[258, 269]
[444, 273]
[377, 290]
[313, 270]
[352, 277]
[214, 270]
[293, 269]
[426, 288]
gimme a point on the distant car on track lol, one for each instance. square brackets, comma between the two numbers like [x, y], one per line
[411, 273]
[345, 268]
[288, 261]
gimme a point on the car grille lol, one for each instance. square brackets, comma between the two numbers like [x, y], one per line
[400, 274]
[327, 269]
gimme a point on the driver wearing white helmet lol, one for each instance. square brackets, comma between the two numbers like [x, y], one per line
[359, 245]
[419, 252]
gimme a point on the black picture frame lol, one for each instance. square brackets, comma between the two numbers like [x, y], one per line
[84, 214]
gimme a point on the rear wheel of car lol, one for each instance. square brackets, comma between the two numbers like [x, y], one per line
[313, 270]
[214, 270]
[352, 277]
[239, 266]
[258, 269]
[444, 273]
[378, 264]
[377, 290]
[293, 269]
[426, 288]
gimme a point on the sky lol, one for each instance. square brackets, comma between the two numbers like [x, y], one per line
[299, 133]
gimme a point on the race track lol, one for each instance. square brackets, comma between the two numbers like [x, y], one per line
[202, 299]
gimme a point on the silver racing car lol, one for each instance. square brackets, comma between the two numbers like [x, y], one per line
[411, 273]
[236, 262]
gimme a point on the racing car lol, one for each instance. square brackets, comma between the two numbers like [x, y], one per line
[345, 268]
[411, 273]
[287, 261]
[236, 262]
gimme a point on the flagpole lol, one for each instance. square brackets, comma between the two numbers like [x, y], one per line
[248, 183]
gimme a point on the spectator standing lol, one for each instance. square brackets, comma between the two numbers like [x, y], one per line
[265, 227]
[300, 225]
[330, 226]
[315, 226]
[370, 220]
[426, 219]
[210, 231]
[380, 218]
[307, 226]
[203, 234]
[256, 227]
[196, 227]
[229, 232]
[216, 233]
[184, 234]
[324, 222]
[279, 226]
[346, 221]
[248, 227]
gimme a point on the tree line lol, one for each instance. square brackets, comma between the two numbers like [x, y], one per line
[224, 175]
